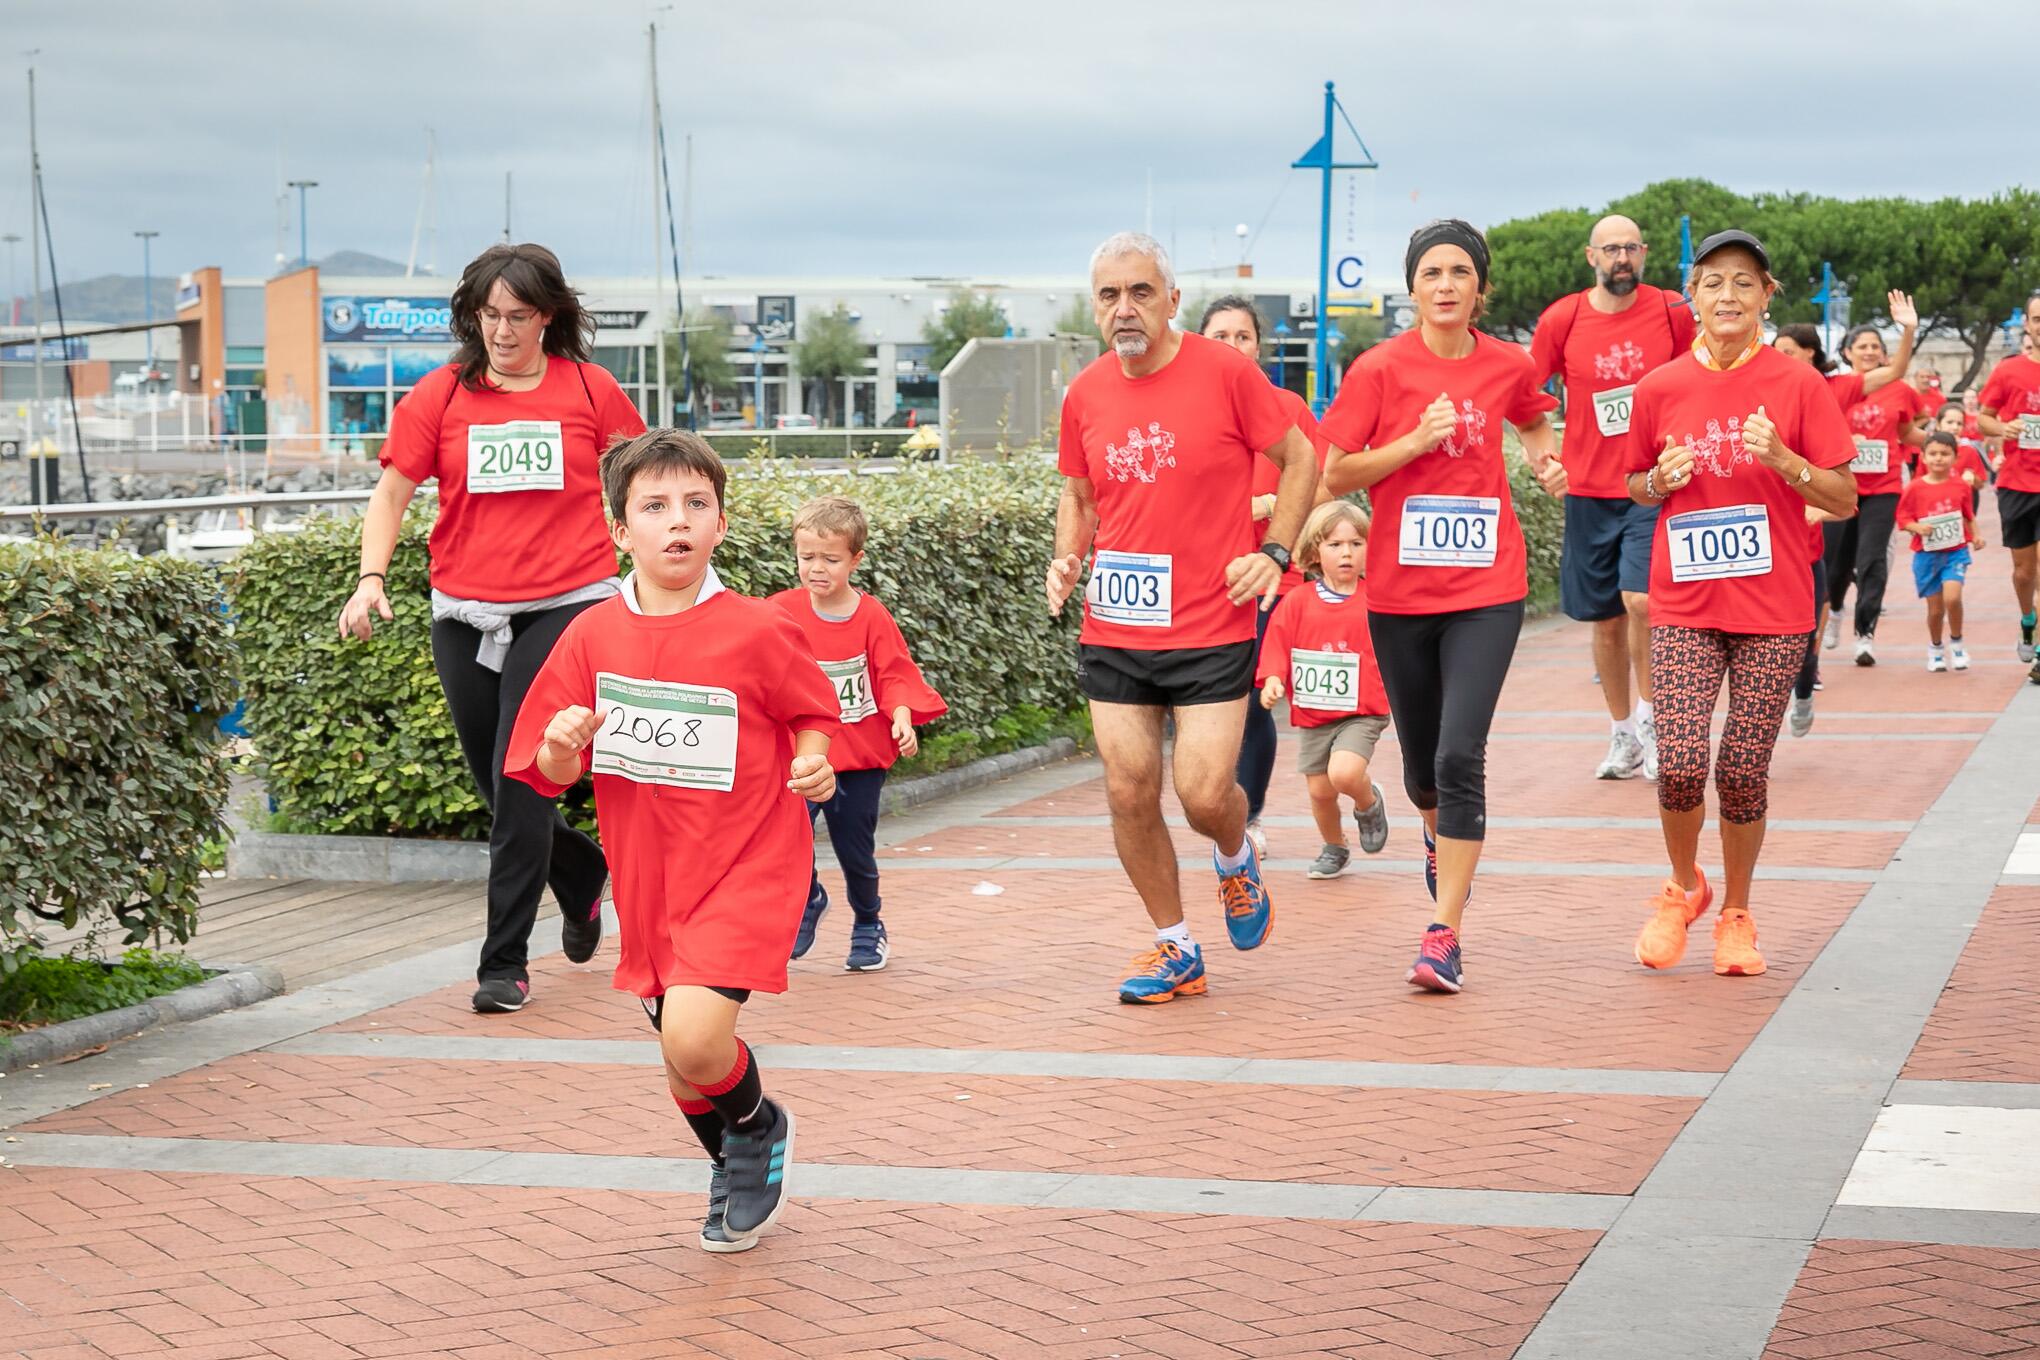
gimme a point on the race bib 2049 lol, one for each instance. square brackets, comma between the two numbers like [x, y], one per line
[520, 455]
[1731, 540]
[1131, 589]
[661, 732]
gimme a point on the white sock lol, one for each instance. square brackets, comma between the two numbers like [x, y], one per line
[1177, 935]
[1621, 726]
[1643, 711]
[1237, 860]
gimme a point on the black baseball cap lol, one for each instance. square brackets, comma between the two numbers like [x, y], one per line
[1732, 237]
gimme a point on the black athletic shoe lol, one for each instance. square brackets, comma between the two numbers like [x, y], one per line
[757, 1163]
[502, 994]
[714, 1235]
[579, 938]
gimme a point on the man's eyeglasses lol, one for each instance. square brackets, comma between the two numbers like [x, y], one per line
[1616, 252]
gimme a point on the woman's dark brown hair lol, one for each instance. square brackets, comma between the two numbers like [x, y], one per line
[1807, 338]
[533, 275]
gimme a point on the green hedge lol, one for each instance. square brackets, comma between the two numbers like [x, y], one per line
[354, 737]
[114, 673]
[751, 444]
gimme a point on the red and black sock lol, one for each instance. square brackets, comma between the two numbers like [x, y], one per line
[739, 1097]
[706, 1123]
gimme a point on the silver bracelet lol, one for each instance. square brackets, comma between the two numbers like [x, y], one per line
[1650, 485]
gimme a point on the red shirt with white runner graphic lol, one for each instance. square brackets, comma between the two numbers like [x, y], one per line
[1606, 354]
[1306, 622]
[1883, 417]
[866, 659]
[2013, 391]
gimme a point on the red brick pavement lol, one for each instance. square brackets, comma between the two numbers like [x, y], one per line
[1985, 1025]
[1901, 1301]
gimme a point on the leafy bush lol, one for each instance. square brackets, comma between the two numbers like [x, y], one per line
[750, 444]
[355, 738]
[1543, 519]
[46, 991]
[114, 673]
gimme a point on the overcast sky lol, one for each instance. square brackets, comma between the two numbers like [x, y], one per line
[834, 137]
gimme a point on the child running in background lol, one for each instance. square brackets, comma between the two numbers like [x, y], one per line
[1319, 654]
[882, 696]
[1935, 509]
[1971, 468]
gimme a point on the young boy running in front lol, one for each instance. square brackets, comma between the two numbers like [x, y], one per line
[1935, 509]
[705, 722]
[1318, 652]
[881, 696]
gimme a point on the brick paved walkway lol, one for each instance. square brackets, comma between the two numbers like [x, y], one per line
[1573, 1159]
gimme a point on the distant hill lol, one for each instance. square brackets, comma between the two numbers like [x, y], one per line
[118, 297]
[359, 263]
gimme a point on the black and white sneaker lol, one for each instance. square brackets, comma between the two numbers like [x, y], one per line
[502, 994]
[578, 939]
[715, 1234]
[1372, 823]
[757, 1163]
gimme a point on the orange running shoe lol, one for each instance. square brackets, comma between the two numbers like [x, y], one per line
[1735, 945]
[1663, 940]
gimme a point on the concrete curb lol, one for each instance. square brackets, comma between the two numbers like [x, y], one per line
[234, 985]
[383, 859]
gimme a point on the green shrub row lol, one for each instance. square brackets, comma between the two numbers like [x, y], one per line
[750, 444]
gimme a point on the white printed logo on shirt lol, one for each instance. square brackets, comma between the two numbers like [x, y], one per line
[1469, 431]
[1143, 456]
[1865, 416]
[1621, 362]
[1720, 451]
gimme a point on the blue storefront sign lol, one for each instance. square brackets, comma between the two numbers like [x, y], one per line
[351, 317]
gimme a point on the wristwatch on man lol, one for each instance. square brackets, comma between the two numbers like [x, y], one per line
[1277, 554]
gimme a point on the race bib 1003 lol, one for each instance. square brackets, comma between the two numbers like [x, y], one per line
[1130, 589]
[1611, 409]
[1326, 681]
[2029, 431]
[522, 455]
[1707, 545]
[852, 682]
[1943, 531]
[1450, 531]
[1872, 455]
[659, 732]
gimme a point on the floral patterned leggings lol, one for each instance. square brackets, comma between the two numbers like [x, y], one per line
[1687, 666]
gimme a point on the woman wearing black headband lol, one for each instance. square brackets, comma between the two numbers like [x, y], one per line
[1418, 421]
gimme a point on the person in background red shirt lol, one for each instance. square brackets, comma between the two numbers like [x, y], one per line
[1936, 509]
[1746, 439]
[1886, 420]
[1418, 425]
[881, 695]
[1234, 320]
[1600, 342]
[1972, 469]
[1318, 655]
[1801, 341]
[512, 430]
[2008, 409]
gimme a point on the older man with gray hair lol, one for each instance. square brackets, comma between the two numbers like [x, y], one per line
[1158, 442]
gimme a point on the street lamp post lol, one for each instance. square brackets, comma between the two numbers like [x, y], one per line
[304, 258]
[148, 305]
[1281, 333]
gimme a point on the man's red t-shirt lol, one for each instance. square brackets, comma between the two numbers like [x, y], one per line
[1461, 547]
[2013, 392]
[1730, 547]
[520, 496]
[1268, 477]
[1605, 354]
[1170, 457]
[1882, 419]
[866, 660]
[709, 851]
[1922, 498]
[1324, 657]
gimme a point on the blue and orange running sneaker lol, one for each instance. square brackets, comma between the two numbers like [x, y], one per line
[1249, 914]
[1430, 865]
[1163, 974]
[1437, 965]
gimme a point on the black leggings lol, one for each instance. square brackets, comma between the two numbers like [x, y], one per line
[1859, 549]
[1257, 744]
[1809, 669]
[530, 844]
[1444, 675]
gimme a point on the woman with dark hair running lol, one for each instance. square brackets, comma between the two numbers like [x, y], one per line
[1418, 422]
[1234, 320]
[512, 429]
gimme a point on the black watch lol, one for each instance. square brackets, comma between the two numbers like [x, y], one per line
[1277, 554]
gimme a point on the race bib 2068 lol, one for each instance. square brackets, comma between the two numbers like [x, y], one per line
[660, 732]
[521, 455]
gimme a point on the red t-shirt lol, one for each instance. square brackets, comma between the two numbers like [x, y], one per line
[1970, 459]
[1268, 477]
[866, 660]
[1605, 354]
[1704, 410]
[1883, 417]
[709, 861]
[525, 520]
[1171, 460]
[1847, 387]
[1466, 548]
[2013, 392]
[1922, 498]
[1334, 689]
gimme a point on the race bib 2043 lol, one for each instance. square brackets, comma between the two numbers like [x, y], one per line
[1449, 531]
[662, 732]
[520, 455]
[1131, 589]
[1326, 681]
[1731, 540]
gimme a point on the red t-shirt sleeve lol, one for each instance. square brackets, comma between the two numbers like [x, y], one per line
[1528, 400]
[1847, 387]
[616, 417]
[1825, 439]
[412, 446]
[1996, 390]
[895, 679]
[1545, 357]
[1069, 440]
[1264, 418]
[1685, 330]
[1275, 645]
[1908, 502]
[803, 700]
[563, 682]
[1645, 443]
[1354, 417]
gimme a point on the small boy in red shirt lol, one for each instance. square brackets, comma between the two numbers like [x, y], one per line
[705, 722]
[1935, 509]
[1318, 652]
[1971, 468]
[881, 696]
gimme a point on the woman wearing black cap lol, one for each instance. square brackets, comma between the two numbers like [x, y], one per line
[1732, 443]
[1418, 422]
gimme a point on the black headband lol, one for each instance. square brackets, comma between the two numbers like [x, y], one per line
[1443, 232]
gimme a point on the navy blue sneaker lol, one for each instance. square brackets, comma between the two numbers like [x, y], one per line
[757, 1163]
[810, 918]
[1249, 914]
[1163, 974]
[868, 949]
[1430, 865]
[1437, 965]
[715, 1236]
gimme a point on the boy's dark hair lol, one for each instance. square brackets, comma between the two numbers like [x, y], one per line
[657, 450]
[1943, 437]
